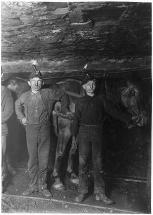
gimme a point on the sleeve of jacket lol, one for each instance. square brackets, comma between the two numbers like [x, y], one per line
[8, 106]
[76, 119]
[19, 107]
[116, 113]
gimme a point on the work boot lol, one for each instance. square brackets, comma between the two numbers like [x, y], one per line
[104, 198]
[11, 170]
[73, 178]
[4, 186]
[58, 185]
[45, 193]
[80, 197]
[30, 191]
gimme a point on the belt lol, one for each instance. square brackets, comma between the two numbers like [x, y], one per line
[39, 124]
[87, 125]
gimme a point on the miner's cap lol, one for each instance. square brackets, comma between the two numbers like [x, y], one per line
[36, 75]
[87, 78]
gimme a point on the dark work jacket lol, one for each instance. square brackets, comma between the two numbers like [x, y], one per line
[49, 97]
[92, 111]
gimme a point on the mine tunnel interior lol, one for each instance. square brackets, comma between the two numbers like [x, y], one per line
[114, 40]
[117, 139]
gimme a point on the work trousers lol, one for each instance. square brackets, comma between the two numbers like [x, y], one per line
[38, 144]
[90, 143]
[4, 162]
[3, 144]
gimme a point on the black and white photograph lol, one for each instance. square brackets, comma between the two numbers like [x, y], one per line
[76, 106]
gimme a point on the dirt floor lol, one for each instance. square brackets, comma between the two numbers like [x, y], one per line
[128, 197]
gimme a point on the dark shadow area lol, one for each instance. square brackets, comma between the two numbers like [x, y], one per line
[16, 144]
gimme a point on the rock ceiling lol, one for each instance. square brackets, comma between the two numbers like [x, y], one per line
[64, 36]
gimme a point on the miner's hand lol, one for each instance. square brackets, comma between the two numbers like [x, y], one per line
[24, 121]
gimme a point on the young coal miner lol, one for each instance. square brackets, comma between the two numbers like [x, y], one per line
[88, 121]
[33, 109]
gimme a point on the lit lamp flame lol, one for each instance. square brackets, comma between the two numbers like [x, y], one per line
[85, 67]
[34, 63]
